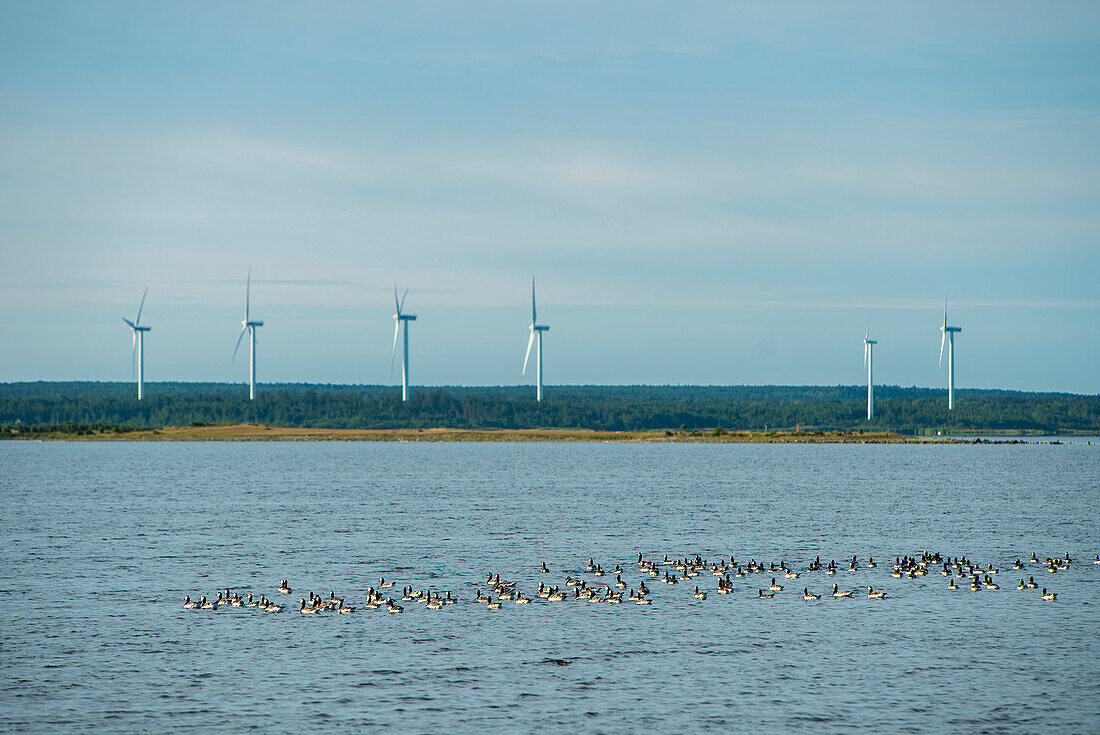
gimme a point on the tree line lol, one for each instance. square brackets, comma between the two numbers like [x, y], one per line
[617, 408]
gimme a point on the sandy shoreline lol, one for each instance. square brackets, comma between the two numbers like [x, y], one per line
[255, 432]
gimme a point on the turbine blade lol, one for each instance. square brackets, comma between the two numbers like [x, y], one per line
[396, 331]
[943, 341]
[396, 303]
[403, 299]
[141, 305]
[248, 296]
[534, 319]
[868, 334]
[239, 342]
[530, 342]
[866, 349]
[128, 322]
[945, 312]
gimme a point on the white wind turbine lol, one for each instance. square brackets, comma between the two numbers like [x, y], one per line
[401, 319]
[949, 339]
[137, 347]
[249, 325]
[869, 363]
[536, 329]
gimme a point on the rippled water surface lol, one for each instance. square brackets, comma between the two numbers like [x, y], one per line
[100, 542]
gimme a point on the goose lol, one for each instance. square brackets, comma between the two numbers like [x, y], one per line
[642, 601]
[272, 607]
[951, 585]
[699, 595]
[619, 582]
[760, 594]
[1033, 558]
[555, 596]
[807, 595]
[521, 600]
[875, 595]
[205, 605]
[775, 587]
[837, 592]
[1049, 595]
[393, 607]
[1017, 564]
[188, 603]
[791, 575]
[1022, 585]
[1096, 559]
[494, 604]
[871, 562]
[1032, 584]
[383, 583]
[544, 570]
[284, 587]
[303, 609]
[591, 566]
[344, 609]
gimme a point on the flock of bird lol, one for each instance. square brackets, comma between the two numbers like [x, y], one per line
[667, 571]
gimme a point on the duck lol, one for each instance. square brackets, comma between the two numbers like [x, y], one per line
[837, 592]
[807, 595]
[1049, 595]
[188, 603]
[875, 595]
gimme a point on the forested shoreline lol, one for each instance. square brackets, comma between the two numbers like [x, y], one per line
[611, 408]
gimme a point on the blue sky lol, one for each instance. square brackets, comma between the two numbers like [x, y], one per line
[721, 194]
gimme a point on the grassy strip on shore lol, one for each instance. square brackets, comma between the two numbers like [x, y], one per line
[256, 432]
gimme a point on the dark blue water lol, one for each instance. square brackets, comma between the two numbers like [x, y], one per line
[100, 542]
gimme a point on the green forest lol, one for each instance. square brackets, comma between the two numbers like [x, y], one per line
[613, 408]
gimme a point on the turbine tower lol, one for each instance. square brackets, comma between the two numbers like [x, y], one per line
[401, 319]
[536, 329]
[137, 347]
[869, 363]
[949, 339]
[249, 325]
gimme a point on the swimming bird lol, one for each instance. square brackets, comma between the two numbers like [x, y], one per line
[699, 595]
[188, 603]
[837, 592]
[284, 587]
[875, 595]
[383, 583]
[807, 595]
[760, 594]
[775, 587]
[544, 570]
[951, 585]
[1049, 595]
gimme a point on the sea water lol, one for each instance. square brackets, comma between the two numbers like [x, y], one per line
[99, 543]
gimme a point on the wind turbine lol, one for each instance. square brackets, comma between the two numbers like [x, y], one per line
[137, 347]
[949, 340]
[249, 325]
[869, 363]
[401, 319]
[536, 329]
